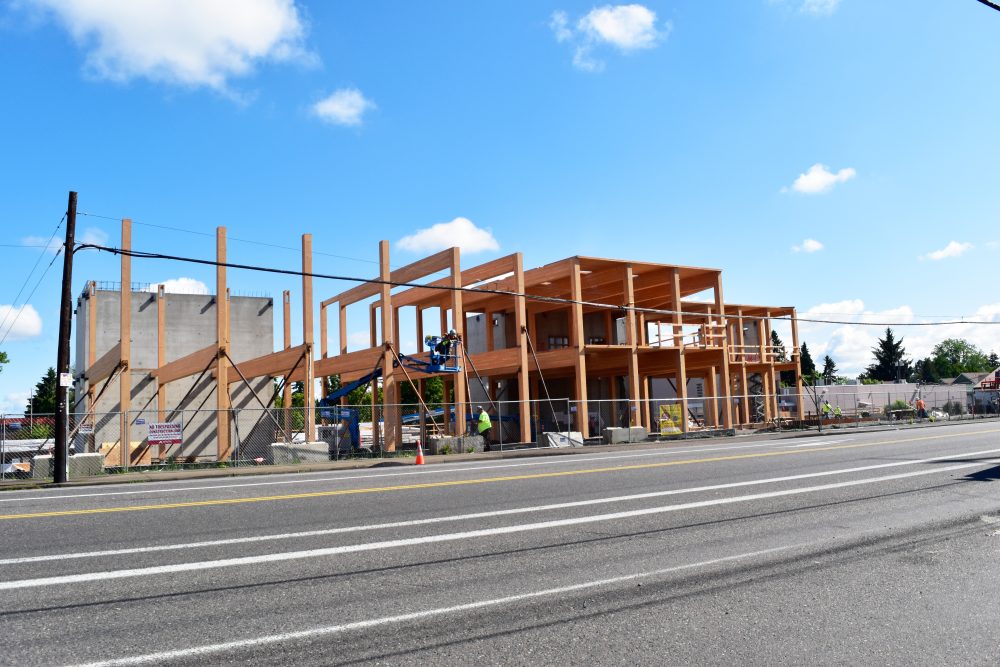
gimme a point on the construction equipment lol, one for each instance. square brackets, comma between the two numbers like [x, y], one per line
[443, 358]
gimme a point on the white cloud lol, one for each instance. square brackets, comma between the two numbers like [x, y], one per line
[21, 321]
[560, 26]
[818, 179]
[344, 107]
[14, 403]
[53, 245]
[808, 245]
[953, 249]
[93, 235]
[625, 27]
[628, 27]
[460, 232]
[181, 286]
[819, 7]
[187, 42]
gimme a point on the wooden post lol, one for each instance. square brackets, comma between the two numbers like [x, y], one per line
[222, 400]
[446, 399]
[523, 373]
[578, 340]
[800, 394]
[712, 413]
[309, 388]
[725, 381]
[286, 390]
[458, 324]
[744, 387]
[633, 354]
[125, 338]
[390, 396]
[675, 280]
[322, 346]
[92, 350]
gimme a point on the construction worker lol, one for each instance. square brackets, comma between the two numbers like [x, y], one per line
[484, 428]
[921, 408]
[827, 409]
[837, 414]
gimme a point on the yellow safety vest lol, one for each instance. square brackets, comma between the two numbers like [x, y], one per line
[484, 422]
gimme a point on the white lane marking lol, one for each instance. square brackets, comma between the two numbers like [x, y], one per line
[476, 515]
[89, 577]
[199, 651]
[565, 460]
[816, 444]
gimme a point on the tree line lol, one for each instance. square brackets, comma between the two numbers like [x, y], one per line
[890, 363]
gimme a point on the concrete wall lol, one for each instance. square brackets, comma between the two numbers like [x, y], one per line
[189, 327]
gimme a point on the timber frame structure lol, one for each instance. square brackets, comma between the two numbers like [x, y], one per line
[615, 322]
[694, 339]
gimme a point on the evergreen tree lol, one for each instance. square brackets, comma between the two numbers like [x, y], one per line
[5, 360]
[829, 370]
[807, 364]
[778, 347]
[44, 399]
[890, 361]
[994, 361]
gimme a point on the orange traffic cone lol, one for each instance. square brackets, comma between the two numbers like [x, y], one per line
[420, 455]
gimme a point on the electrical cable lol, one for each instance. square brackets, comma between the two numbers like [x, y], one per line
[499, 292]
[28, 298]
[231, 238]
[991, 4]
[31, 272]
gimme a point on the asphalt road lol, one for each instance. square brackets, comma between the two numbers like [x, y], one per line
[846, 548]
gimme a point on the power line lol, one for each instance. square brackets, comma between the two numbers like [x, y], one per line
[27, 278]
[21, 309]
[496, 292]
[231, 238]
[991, 4]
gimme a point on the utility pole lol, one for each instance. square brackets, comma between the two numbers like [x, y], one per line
[59, 460]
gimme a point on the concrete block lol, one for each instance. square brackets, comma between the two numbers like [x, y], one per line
[80, 465]
[562, 439]
[454, 444]
[617, 436]
[300, 452]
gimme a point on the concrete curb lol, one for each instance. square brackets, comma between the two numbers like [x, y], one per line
[364, 464]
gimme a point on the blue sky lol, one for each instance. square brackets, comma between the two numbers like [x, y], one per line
[838, 156]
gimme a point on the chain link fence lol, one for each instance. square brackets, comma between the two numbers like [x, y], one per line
[175, 440]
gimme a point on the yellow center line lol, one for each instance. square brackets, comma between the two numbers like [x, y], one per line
[466, 482]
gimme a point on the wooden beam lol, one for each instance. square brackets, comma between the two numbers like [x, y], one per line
[727, 386]
[92, 341]
[409, 273]
[523, 372]
[458, 324]
[796, 357]
[632, 341]
[223, 403]
[309, 387]
[275, 364]
[286, 387]
[578, 340]
[125, 343]
[185, 366]
[390, 389]
[102, 369]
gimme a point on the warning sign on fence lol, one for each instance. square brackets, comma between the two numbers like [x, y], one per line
[165, 433]
[670, 419]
